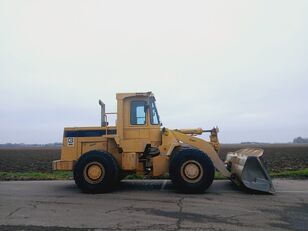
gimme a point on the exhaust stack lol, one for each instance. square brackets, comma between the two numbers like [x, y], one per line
[104, 122]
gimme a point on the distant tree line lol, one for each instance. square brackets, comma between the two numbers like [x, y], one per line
[8, 145]
[300, 140]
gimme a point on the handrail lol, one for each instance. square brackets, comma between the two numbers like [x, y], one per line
[106, 118]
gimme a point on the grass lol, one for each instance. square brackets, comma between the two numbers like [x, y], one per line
[58, 175]
[291, 174]
[62, 175]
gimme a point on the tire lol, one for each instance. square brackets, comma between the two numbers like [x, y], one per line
[191, 170]
[96, 172]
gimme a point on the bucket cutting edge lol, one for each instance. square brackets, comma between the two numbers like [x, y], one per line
[248, 170]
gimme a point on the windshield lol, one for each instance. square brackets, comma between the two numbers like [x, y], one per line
[153, 112]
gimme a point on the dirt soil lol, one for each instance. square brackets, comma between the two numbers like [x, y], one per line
[28, 159]
[279, 157]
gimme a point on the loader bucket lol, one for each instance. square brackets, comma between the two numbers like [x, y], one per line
[248, 170]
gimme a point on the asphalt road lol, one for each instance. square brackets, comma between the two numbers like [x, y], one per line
[151, 205]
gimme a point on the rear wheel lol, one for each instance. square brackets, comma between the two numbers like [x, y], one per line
[96, 172]
[191, 170]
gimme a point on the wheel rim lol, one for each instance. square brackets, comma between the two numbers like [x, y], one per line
[191, 171]
[94, 172]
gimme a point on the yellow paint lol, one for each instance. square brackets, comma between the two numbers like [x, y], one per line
[130, 142]
[129, 161]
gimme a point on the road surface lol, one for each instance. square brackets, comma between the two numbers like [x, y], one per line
[151, 205]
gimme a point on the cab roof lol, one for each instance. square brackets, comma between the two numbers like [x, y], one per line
[121, 96]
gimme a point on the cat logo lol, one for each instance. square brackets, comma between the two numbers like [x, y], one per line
[70, 141]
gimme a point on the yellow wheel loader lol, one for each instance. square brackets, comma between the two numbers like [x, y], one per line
[101, 156]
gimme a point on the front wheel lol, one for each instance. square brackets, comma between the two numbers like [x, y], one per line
[191, 170]
[96, 172]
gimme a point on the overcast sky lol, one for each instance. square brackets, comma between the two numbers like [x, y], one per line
[240, 65]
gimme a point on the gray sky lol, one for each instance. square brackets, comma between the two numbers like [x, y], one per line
[240, 65]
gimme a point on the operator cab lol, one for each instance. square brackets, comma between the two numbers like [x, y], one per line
[138, 122]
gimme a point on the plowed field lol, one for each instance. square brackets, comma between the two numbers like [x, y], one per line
[279, 157]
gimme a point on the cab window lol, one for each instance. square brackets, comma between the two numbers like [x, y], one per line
[138, 113]
[154, 113]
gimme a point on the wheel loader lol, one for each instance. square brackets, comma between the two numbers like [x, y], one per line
[138, 144]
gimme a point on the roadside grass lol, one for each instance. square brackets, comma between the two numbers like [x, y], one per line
[63, 175]
[57, 175]
[291, 174]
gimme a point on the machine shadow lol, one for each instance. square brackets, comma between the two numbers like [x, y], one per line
[163, 186]
[145, 185]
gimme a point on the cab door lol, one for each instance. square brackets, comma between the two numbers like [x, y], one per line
[136, 133]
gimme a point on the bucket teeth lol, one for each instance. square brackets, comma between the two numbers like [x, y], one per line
[248, 170]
